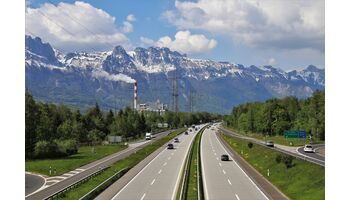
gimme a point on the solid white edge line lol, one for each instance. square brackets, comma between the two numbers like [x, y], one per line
[138, 174]
[206, 195]
[241, 169]
[237, 197]
[42, 187]
[182, 165]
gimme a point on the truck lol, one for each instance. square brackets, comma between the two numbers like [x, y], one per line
[149, 136]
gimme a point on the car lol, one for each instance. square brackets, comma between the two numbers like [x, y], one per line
[308, 149]
[269, 143]
[196, 129]
[190, 130]
[176, 140]
[224, 157]
[170, 146]
[186, 133]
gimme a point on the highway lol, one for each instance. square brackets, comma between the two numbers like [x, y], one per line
[160, 178]
[33, 182]
[224, 179]
[294, 151]
[89, 169]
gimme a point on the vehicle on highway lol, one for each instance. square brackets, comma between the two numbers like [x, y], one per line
[196, 129]
[193, 126]
[308, 149]
[170, 146]
[269, 143]
[176, 140]
[224, 157]
[190, 130]
[149, 136]
[186, 132]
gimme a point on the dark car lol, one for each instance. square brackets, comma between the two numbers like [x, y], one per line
[224, 157]
[270, 143]
[190, 130]
[176, 140]
[196, 129]
[170, 146]
[186, 133]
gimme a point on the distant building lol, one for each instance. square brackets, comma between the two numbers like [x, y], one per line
[152, 107]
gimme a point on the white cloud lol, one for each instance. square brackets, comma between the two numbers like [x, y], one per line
[282, 24]
[271, 61]
[128, 27]
[113, 77]
[75, 27]
[184, 42]
[131, 18]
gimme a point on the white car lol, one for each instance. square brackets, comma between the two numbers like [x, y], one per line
[308, 149]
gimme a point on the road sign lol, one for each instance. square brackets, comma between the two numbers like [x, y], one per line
[295, 134]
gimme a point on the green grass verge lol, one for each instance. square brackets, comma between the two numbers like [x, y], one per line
[302, 181]
[63, 165]
[278, 139]
[130, 161]
[192, 187]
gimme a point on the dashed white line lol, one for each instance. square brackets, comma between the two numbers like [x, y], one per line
[214, 153]
[229, 181]
[143, 196]
[169, 158]
[160, 171]
[217, 158]
[237, 197]
[165, 163]
[153, 181]
[220, 164]
[223, 171]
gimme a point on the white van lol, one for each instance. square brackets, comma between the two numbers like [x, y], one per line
[149, 136]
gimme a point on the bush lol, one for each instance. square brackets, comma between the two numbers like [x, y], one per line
[250, 145]
[278, 158]
[288, 161]
[68, 147]
[44, 149]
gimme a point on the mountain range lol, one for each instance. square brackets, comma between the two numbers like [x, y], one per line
[81, 79]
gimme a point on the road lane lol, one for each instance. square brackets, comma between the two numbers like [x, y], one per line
[224, 179]
[161, 177]
[91, 168]
[33, 182]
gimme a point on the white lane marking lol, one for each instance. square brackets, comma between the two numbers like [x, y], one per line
[172, 154]
[229, 181]
[153, 181]
[138, 174]
[169, 158]
[223, 171]
[220, 164]
[237, 197]
[165, 163]
[312, 158]
[206, 195]
[160, 171]
[143, 196]
[241, 168]
[217, 158]
[214, 153]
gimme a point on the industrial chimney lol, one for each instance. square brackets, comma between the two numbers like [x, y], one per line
[135, 95]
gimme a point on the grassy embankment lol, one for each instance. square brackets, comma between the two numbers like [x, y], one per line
[84, 156]
[130, 161]
[304, 180]
[278, 139]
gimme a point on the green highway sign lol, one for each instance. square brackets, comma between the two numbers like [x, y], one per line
[295, 134]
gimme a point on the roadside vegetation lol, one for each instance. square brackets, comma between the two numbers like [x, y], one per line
[57, 131]
[296, 178]
[191, 191]
[60, 166]
[274, 116]
[130, 161]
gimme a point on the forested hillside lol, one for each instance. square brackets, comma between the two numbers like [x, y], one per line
[274, 116]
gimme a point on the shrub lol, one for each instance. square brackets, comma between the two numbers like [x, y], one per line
[68, 147]
[250, 145]
[288, 161]
[278, 158]
[44, 149]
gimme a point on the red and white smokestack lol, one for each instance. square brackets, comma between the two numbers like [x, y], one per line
[135, 95]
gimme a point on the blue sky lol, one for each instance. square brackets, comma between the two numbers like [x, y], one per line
[247, 32]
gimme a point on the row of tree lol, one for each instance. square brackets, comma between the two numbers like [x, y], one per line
[56, 130]
[274, 116]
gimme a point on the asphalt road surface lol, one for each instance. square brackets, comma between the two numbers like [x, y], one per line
[33, 182]
[90, 169]
[161, 177]
[224, 179]
[294, 151]
[313, 155]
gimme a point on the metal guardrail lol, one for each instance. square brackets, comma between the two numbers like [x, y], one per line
[312, 160]
[102, 186]
[74, 184]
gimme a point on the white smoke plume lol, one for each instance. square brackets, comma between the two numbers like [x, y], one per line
[113, 77]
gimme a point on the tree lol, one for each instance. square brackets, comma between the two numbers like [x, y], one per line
[31, 122]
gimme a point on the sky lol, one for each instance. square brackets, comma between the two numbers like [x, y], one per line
[288, 34]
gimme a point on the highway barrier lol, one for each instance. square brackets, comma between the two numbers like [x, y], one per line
[194, 150]
[105, 184]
